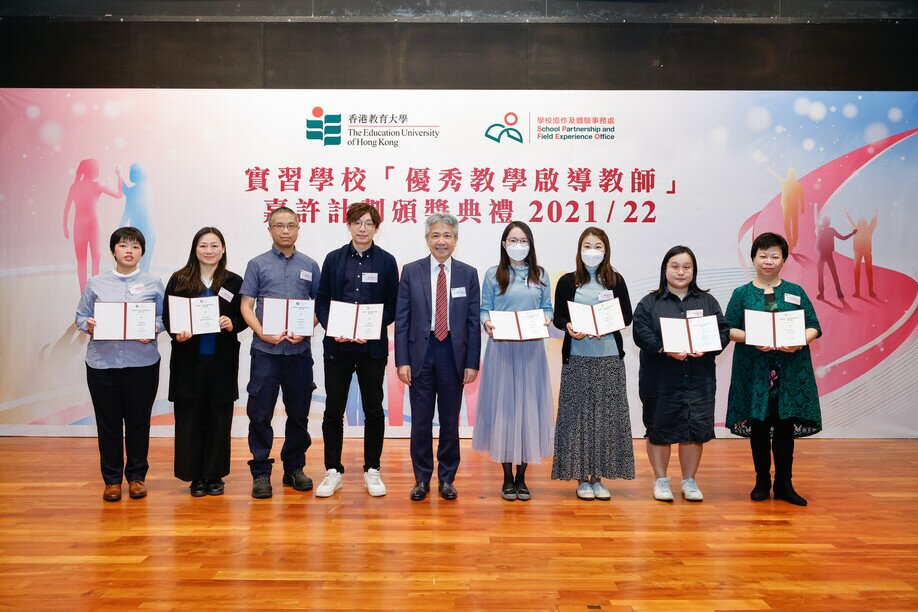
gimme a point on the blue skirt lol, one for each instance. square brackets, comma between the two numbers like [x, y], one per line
[515, 420]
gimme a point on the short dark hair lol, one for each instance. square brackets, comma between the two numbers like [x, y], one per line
[127, 234]
[359, 209]
[279, 211]
[765, 241]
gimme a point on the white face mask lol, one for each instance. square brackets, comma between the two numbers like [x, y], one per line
[591, 257]
[518, 252]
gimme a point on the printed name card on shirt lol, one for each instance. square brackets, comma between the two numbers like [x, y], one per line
[694, 314]
[136, 288]
[458, 292]
[370, 277]
[605, 296]
[226, 294]
[790, 298]
[305, 275]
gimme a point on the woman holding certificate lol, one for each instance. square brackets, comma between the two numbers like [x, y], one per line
[593, 433]
[773, 396]
[679, 329]
[122, 312]
[202, 316]
[514, 421]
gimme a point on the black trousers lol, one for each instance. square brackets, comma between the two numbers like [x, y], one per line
[122, 399]
[370, 376]
[202, 429]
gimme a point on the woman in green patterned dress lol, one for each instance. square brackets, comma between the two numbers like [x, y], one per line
[773, 396]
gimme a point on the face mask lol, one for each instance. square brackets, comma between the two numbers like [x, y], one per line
[591, 257]
[518, 252]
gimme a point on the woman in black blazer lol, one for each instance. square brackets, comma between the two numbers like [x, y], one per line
[204, 368]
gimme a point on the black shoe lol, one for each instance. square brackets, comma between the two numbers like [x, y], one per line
[298, 480]
[448, 491]
[261, 487]
[522, 492]
[215, 487]
[761, 490]
[420, 490]
[786, 492]
[509, 491]
[198, 488]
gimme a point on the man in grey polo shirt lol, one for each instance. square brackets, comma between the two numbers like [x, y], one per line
[282, 361]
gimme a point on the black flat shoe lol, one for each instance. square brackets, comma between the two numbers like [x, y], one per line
[198, 488]
[522, 492]
[762, 490]
[215, 487]
[448, 491]
[509, 492]
[420, 490]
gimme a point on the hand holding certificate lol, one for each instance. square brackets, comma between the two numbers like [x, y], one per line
[354, 321]
[124, 321]
[696, 335]
[520, 325]
[775, 329]
[280, 315]
[596, 320]
[198, 315]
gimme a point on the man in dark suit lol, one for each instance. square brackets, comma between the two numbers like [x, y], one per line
[360, 272]
[437, 349]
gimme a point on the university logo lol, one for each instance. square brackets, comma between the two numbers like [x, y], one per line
[326, 128]
[496, 131]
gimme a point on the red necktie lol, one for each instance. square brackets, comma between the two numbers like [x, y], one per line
[441, 326]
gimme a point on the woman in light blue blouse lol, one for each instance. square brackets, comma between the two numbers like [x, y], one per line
[122, 375]
[514, 421]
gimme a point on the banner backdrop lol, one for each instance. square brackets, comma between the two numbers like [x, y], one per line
[654, 169]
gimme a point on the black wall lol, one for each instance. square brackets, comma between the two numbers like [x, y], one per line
[45, 52]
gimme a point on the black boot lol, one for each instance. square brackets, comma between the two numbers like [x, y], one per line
[760, 442]
[783, 448]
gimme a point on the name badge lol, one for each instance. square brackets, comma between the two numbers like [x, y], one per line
[226, 295]
[605, 296]
[458, 292]
[305, 275]
[370, 277]
[135, 288]
[790, 298]
[694, 314]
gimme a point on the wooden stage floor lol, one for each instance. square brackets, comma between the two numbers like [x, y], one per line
[854, 547]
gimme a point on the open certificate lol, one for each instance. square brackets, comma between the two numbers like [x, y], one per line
[354, 321]
[198, 315]
[696, 335]
[774, 329]
[279, 315]
[520, 325]
[124, 321]
[596, 320]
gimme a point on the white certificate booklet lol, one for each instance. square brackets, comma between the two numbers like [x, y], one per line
[198, 315]
[696, 335]
[773, 329]
[354, 321]
[279, 315]
[596, 320]
[518, 325]
[124, 321]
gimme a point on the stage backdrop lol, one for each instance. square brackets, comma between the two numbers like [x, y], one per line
[653, 168]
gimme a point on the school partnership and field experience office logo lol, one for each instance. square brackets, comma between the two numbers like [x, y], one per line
[496, 131]
[326, 128]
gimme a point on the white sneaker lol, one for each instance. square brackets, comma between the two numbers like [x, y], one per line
[601, 492]
[585, 491]
[690, 490]
[330, 484]
[374, 483]
[661, 490]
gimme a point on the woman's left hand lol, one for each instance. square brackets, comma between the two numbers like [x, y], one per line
[226, 324]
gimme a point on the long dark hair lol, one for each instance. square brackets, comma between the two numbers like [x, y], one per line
[678, 250]
[503, 267]
[605, 273]
[188, 279]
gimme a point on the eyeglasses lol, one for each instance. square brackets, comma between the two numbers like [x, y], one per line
[515, 241]
[283, 226]
[367, 224]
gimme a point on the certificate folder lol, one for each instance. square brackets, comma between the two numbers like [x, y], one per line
[199, 315]
[279, 315]
[124, 321]
[772, 329]
[695, 335]
[518, 325]
[354, 321]
[597, 319]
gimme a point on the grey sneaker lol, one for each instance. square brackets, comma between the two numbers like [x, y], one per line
[298, 480]
[661, 490]
[690, 490]
[261, 487]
